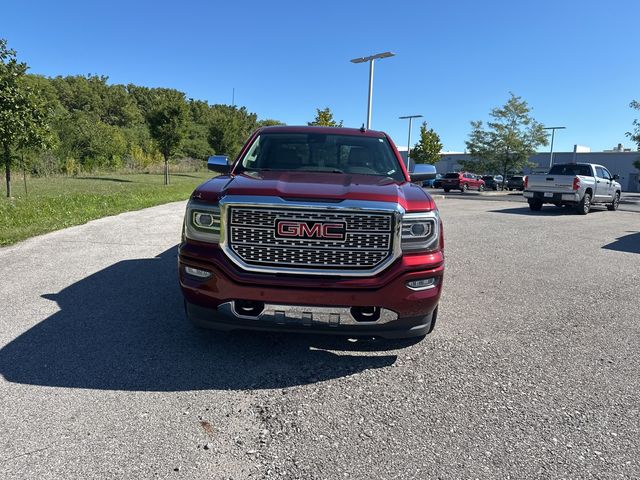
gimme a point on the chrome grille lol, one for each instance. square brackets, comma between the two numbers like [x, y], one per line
[252, 237]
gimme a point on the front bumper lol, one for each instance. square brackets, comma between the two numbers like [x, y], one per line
[288, 300]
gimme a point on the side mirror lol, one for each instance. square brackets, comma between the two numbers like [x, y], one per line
[616, 177]
[218, 163]
[423, 172]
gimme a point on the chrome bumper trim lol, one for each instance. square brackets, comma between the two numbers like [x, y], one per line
[306, 315]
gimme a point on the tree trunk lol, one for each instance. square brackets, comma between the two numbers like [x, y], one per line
[166, 169]
[24, 176]
[7, 166]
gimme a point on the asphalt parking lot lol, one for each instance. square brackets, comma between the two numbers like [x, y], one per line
[531, 372]
[629, 202]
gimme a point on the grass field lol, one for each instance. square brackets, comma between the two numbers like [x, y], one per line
[53, 203]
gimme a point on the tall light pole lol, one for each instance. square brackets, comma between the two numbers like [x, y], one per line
[371, 59]
[553, 134]
[410, 117]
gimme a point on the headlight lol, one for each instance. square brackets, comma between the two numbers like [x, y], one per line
[202, 222]
[420, 231]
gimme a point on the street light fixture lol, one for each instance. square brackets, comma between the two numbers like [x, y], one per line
[553, 134]
[410, 117]
[371, 59]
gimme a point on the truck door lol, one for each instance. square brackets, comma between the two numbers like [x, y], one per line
[611, 191]
[602, 186]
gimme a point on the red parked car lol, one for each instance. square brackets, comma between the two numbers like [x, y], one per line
[314, 229]
[462, 181]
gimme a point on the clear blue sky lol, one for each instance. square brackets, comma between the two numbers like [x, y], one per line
[575, 62]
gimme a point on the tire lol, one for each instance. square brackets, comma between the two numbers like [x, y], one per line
[464, 188]
[481, 188]
[446, 190]
[584, 205]
[535, 205]
[613, 206]
[495, 189]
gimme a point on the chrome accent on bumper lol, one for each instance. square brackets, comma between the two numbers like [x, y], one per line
[345, 206]
[306, 315]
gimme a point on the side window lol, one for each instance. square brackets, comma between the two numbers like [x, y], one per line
[606, 174]
[599, 172]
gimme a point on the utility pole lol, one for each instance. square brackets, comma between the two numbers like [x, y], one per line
[553, 134]
[371, 59]
[410, 117]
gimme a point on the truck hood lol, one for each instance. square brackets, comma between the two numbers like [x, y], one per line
[316, 185]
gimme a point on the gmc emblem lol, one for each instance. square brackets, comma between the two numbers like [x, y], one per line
[319, 230]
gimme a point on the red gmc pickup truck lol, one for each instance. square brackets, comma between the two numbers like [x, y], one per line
[314, 229]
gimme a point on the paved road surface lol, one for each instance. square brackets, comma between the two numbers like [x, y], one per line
[532, 371]
[629, 202]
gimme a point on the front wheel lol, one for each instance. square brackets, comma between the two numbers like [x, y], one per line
[584, 205]
[613, 206]
[481, 188]
[464, 188]
[535, 205]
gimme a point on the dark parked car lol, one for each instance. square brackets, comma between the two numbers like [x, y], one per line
[493, 182]
[516, 183]
[432, 182]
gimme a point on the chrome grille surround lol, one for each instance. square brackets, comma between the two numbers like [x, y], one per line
[248, 238]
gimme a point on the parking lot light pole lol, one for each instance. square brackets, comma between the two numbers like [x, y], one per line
[553, 134]
[410, 117]
[371, 59]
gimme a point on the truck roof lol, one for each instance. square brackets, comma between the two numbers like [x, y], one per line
[324, 130]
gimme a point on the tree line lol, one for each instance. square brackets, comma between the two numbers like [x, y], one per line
[78, 123]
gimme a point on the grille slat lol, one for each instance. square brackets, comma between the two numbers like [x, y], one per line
[252, 237]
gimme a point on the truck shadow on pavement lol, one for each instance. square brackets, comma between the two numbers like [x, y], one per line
[546, 211]
[628, 243]
[123, 328]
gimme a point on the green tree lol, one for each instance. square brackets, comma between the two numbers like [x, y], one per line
[167, 121]
[635, 135]
[427, 150]
[269, 122]
[507, 142]
[229, 128]
[23, 115]
[324, 118]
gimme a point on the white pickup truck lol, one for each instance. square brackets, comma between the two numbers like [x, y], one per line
[573, 184]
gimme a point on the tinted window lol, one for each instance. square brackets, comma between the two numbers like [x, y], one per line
[316, 152]
[570, 169]
[451, 175]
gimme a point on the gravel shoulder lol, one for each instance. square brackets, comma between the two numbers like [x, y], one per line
[532, 371]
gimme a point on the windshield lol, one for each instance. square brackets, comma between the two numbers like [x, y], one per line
[570, 169]
[452, 175]
[316, 152]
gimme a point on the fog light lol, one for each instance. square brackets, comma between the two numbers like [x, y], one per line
[423, 283]
[196, 272]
